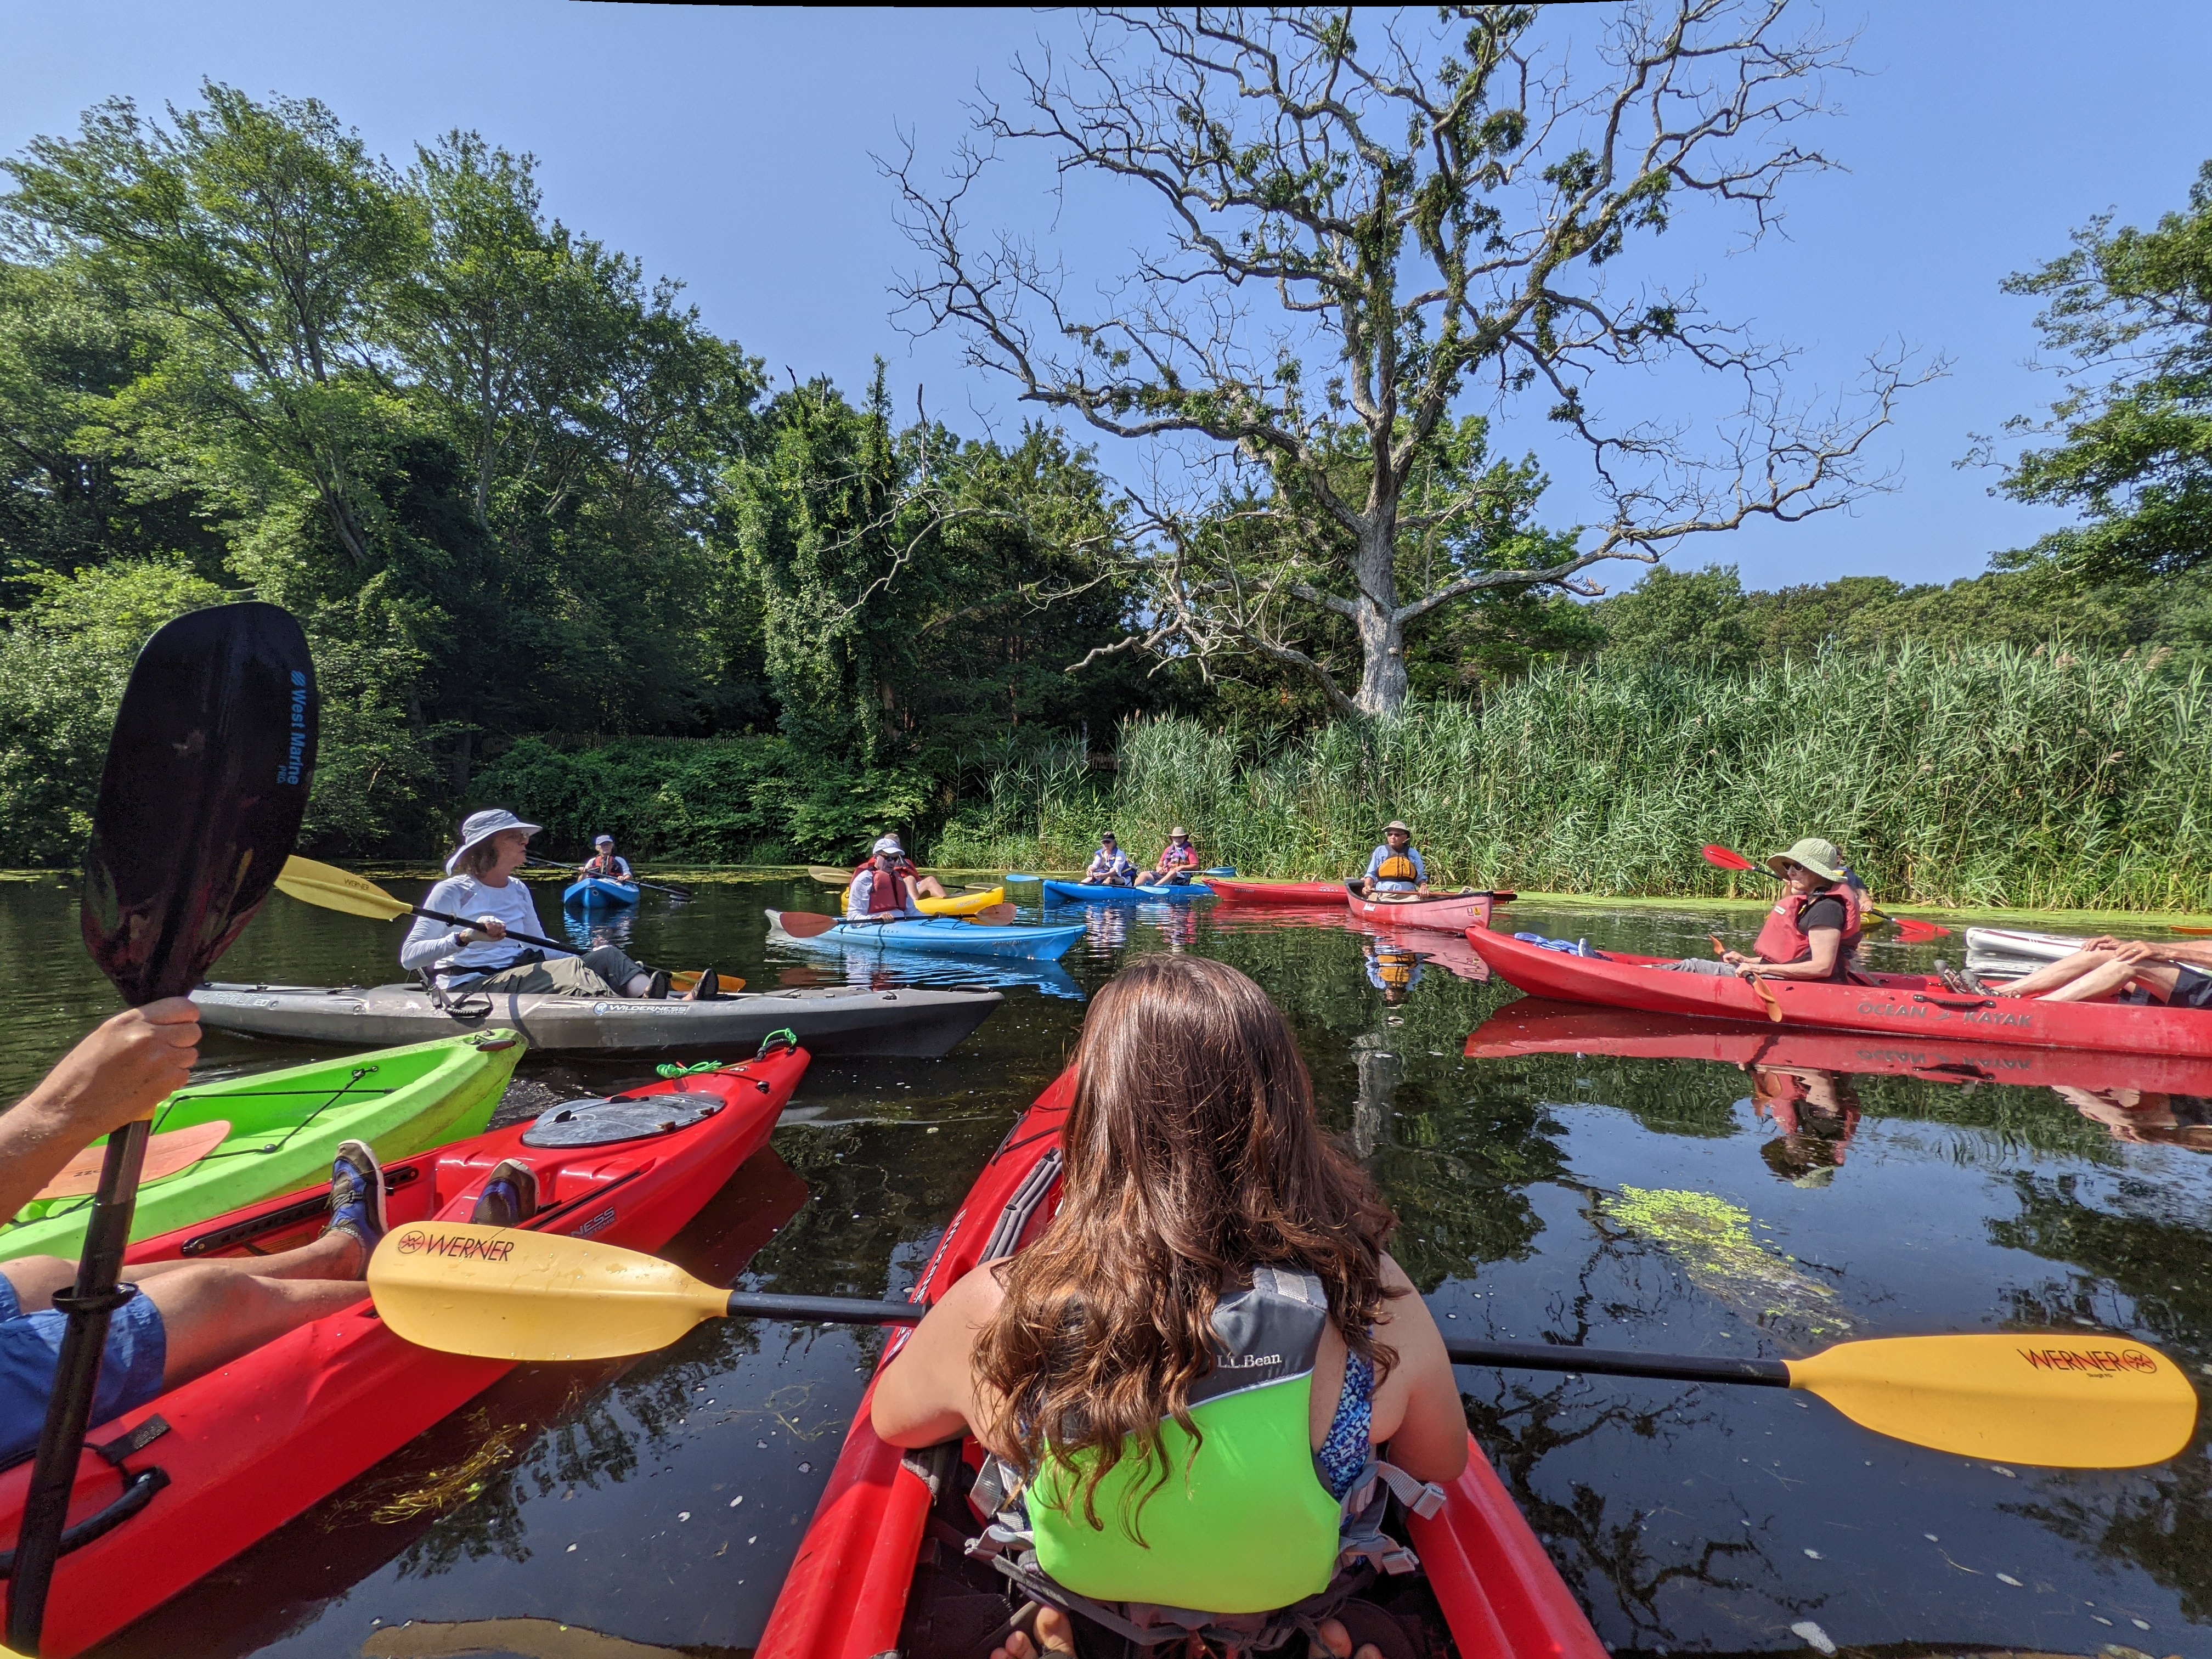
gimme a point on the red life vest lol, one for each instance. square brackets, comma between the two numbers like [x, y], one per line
[605, 868]
[1783, 940]
[883, 892]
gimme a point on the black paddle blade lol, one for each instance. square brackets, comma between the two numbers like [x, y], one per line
[206, 781]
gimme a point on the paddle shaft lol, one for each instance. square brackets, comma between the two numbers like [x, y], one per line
[463, 921]
[1516, 1356]
[635, 881]
[236, 683]
[95, 1295]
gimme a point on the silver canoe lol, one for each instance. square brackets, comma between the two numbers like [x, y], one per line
[834, 1019]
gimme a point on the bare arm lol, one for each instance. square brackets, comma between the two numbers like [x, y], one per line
[929, 1392]
[1420, 1402]
[1821, 965]
[123, 1070]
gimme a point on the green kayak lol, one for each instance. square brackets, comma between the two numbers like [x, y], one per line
[218, 1145]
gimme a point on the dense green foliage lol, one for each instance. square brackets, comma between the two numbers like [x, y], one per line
[1705, 618]
[2131, 312]
[510, 486]
[1985, 776]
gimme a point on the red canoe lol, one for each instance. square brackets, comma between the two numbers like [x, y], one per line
[207, 1468]
[1451, 912]
[1534, 1026]
[1909, 1007]
[1276, 892]
[871, 1577]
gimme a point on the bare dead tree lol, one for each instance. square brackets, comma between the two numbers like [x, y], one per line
[1371, 217]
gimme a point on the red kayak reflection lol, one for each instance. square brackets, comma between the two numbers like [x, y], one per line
[2138, 1097]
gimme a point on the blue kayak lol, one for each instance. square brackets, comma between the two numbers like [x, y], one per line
[593, 891]
[942, 936]
[1076, 892]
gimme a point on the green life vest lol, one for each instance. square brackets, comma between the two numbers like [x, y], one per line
[1243, 1523]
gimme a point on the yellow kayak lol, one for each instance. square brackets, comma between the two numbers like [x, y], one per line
[960, 904]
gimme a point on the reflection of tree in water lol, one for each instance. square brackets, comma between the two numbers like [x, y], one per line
[1604, 1548]
[2158, 1520]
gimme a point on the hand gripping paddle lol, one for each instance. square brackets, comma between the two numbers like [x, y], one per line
[2070, 1399]
[200, 802]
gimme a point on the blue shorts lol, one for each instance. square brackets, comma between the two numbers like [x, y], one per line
[31, 1349]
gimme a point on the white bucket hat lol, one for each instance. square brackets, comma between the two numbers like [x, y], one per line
[482, 826]
[886, 844]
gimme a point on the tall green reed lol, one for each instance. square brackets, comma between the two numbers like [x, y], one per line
[1985, 776]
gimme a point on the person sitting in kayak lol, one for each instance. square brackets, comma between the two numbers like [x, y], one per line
[481, 882]
[1396, 866]
[1177, 860]
[1110, 865]
[188, 1317]
[923, 886]
[1814, 929]
[605, 865]
[2177, 975]
[882, 891]
[1215, 1260]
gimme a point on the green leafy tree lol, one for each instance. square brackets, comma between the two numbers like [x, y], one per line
[2131, 312]
[1691, 617]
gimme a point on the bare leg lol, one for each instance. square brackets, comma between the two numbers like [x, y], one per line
[211, 1315]
[929, 887]
[333, 1256]
[2114, 975]
[2053, 975]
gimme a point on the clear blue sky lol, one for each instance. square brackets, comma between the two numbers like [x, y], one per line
[731, 149]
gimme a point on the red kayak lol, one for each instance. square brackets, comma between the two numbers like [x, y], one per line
[1534, 1026]
[1905, 1006]
[207, 1468]
[1451, 912]
[1276, 892]
[880, 1569]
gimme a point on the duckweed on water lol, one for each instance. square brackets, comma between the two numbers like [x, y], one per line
[1711, 1238]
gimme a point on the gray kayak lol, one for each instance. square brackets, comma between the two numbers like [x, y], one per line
[830, 1019]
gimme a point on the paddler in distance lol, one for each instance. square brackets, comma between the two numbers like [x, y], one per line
[1214, 1255]
[882, 891]
[923, 886]
[605, 865]
[481, 882]
[1110, 865]
[1812, 930]
[1177, 860]
[1395, 870]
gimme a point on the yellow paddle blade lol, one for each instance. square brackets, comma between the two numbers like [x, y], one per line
[2066, 1401]
[338, 889]
[501, 1293]
[828, 877]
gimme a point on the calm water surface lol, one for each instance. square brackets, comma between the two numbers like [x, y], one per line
[659, 1501]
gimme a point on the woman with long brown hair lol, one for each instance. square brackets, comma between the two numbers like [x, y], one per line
[1193, 1366]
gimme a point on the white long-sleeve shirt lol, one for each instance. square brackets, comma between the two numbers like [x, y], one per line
[864, 884]
[437, 944]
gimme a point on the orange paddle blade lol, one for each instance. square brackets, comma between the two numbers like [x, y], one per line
[165, 1154]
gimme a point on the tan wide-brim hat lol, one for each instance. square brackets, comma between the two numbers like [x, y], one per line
[1397, 826]
[1818, 856]
[1178, 834]
[481, 827]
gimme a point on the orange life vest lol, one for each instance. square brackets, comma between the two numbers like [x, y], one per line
[1783, 940]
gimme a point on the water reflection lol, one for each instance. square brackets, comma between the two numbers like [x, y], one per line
[879, 969]
[1693, 1519]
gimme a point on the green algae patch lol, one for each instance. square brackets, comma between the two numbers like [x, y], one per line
[1711, 1239]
